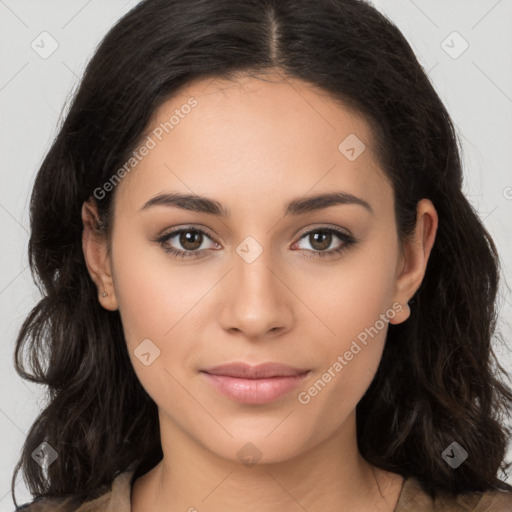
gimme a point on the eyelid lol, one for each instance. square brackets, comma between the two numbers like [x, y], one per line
[318, 227]
[175, 231]
[185, 227]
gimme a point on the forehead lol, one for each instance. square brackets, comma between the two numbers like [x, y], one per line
[254, 138]
[262, 105]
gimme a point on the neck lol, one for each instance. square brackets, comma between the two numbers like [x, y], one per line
[192, 478]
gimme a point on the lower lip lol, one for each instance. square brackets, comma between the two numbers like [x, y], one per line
[254, 391]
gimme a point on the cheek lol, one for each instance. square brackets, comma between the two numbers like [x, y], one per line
[348, 362]
[356, 305]
[156, 305]
[153, 292]
[350, 295]
[161, 301]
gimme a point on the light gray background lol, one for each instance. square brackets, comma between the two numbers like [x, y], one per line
[476, 87]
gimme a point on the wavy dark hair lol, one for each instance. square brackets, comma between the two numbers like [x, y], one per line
[438, 380]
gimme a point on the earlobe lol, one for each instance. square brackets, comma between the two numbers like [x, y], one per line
[415, 254]
[94, 246]
[402, 313]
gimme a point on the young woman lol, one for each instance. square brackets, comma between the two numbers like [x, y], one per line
[263, 286]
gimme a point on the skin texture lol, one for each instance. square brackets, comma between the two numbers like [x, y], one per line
[253, 145]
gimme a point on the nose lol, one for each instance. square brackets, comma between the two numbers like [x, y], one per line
[256, 299]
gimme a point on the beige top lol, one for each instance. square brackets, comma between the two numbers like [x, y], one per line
[412, 498]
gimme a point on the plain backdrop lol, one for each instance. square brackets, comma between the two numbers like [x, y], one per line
[464, 45]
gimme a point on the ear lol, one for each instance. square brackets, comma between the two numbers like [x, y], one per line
[414, 257]
[94, 245]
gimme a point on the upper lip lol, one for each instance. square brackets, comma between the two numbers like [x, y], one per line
[260, 371]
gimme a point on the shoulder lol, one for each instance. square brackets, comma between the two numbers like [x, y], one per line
[490, 501]
[63, 505]
[118, 498]
[413, 498]
[47, 504]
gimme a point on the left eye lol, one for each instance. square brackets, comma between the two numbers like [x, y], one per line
[321, 239]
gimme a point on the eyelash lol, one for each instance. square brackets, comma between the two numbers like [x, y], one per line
[347, 240]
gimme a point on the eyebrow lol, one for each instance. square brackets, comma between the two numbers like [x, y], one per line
[299, 206]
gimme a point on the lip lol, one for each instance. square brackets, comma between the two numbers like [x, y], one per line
[258, 384]
[260, 371]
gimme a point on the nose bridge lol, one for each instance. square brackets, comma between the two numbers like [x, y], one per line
[256, 301]
[252, 270]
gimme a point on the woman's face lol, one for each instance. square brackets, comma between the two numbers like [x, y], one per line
[251, 289]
